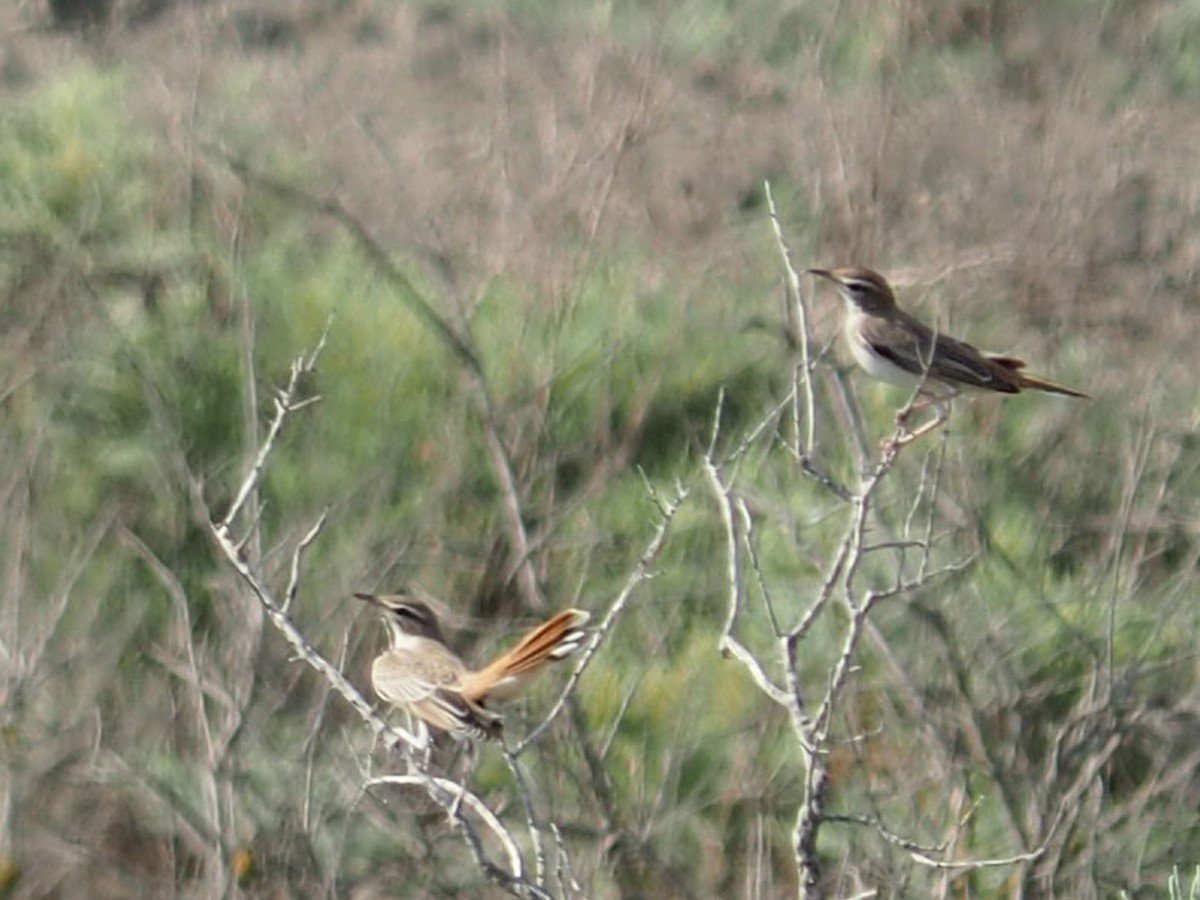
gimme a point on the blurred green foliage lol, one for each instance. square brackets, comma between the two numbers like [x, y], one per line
[146, 331]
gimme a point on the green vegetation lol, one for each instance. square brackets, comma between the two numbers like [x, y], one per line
[610, 263]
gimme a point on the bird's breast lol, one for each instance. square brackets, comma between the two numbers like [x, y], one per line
[868, 359]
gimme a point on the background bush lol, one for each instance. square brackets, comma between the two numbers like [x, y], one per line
[580, 194]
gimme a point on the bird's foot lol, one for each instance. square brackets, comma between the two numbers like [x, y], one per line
[454, 810]
[424, 751]
[890, 446]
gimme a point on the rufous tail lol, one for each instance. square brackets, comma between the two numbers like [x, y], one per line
[556, 638]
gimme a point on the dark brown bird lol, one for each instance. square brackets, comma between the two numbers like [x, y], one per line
[892, 346]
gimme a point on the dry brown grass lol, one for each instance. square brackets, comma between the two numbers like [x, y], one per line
[489, 148]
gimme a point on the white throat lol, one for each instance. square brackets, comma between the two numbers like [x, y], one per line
[399, 639]
[867, 358]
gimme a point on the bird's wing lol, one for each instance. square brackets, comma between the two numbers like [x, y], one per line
[413, 674]
[906, 342]
[428, 681]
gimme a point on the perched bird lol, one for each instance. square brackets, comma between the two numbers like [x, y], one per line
[892, 346]
[419, 672]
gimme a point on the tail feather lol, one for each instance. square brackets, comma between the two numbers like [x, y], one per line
[1009, 362]
[554, 639]
[1030, 382]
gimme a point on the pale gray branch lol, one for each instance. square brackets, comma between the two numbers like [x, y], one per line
[793, 278]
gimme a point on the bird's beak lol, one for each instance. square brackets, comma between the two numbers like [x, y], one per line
[820, 273]
[368, 598]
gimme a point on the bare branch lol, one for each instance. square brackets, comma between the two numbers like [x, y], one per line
[305, 650]
[797, 296]
[733, 568]
[535, 835]
[454, 796]
[727, 644]
[233, 549]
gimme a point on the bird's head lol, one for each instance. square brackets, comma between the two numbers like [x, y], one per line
[404, 614]
[867, 290]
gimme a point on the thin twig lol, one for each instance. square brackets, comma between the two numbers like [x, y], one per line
[303, 544]
[793, 278]
[285, 404]
[667, 510]
[884, 832]
[977, 863]
[535, 835]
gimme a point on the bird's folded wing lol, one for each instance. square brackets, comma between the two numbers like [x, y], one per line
[455, 713]
[431, 686]
[907, 343]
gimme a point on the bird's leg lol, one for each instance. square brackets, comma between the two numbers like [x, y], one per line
[941, 406]
[424, 740]
[941, 414]
[905, 413]
[452, 812]
[923, 398]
